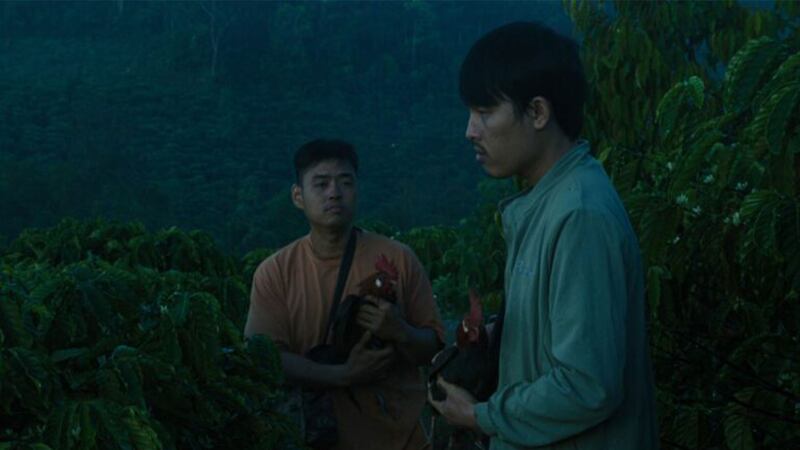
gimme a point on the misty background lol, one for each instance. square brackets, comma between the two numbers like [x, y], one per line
[188, 113]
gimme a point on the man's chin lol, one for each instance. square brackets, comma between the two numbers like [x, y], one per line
[497, 175]
[337, 223]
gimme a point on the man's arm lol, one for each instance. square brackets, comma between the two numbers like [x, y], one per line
[588, 316]
[268, 315]
[458, 406]
[383, 319]
[301, 371]
[417, 331]
[362, 366]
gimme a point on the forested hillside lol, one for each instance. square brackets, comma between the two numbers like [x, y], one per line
[188, 113]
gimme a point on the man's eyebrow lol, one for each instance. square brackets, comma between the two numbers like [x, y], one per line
[325, 176]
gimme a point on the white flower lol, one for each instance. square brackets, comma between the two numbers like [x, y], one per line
[708, 179]
[682, 199]
[675, 240]
[742, 185]
[736, 219]
[670, 166]
[697, 210]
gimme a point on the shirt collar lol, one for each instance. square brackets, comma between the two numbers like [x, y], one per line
[550, 179]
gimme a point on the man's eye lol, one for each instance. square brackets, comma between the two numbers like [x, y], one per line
[482, 113]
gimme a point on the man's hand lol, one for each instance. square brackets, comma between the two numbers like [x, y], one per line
[383, 319]
[365, 365]
[459, 406]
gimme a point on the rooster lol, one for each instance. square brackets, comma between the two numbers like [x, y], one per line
[382, 284]
[469, 363]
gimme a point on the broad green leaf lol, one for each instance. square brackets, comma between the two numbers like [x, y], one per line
[61, 424]
[785, 75]
[693, 161]
[109, 417]
[738, 429]
[45, 289]
[67, 353]
[12, 325]
[141, 433]
[686, 428]
[654, 276]
[88, 429]
[758, 201]
[696, 89]
[782, 108]
[746, 70]
[668, 108]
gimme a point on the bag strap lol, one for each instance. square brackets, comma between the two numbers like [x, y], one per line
[344, 270]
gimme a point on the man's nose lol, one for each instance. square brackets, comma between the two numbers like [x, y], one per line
[472, 129]
[334, 190]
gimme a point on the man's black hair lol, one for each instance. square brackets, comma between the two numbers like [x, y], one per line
[319, 150]
[523, 60]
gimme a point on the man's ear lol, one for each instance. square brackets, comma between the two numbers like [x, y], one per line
[297, 197]
[540, 110]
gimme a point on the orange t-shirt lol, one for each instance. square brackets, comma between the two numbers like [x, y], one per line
[290, 301]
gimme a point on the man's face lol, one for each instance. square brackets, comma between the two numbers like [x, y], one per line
[504, 143]
[327, 194]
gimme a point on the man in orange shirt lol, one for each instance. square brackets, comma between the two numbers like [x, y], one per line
[378, 395]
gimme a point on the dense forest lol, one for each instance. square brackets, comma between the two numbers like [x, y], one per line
[188, 113]
[124, 331]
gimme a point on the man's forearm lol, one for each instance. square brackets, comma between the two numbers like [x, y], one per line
[418, 345]
[303, 372]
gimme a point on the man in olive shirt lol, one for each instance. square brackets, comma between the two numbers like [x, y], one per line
[574, 371]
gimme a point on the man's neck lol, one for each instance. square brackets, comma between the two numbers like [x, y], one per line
[329, 243]
[554, 149]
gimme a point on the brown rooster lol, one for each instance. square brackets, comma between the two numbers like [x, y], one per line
[382, 284]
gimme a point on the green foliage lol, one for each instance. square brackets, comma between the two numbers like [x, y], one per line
[211, 98]
[111, 336]
[709, 172]
[746, 70]
[469, 255]
[106, 345]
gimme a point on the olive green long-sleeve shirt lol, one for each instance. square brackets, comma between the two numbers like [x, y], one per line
[574, 363]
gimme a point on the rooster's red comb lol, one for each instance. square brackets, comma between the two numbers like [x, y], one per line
[384, 265]
[475, 309]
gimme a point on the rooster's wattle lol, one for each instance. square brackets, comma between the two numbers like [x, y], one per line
[382, 283]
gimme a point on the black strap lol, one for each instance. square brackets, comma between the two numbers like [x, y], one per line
[344, 270]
